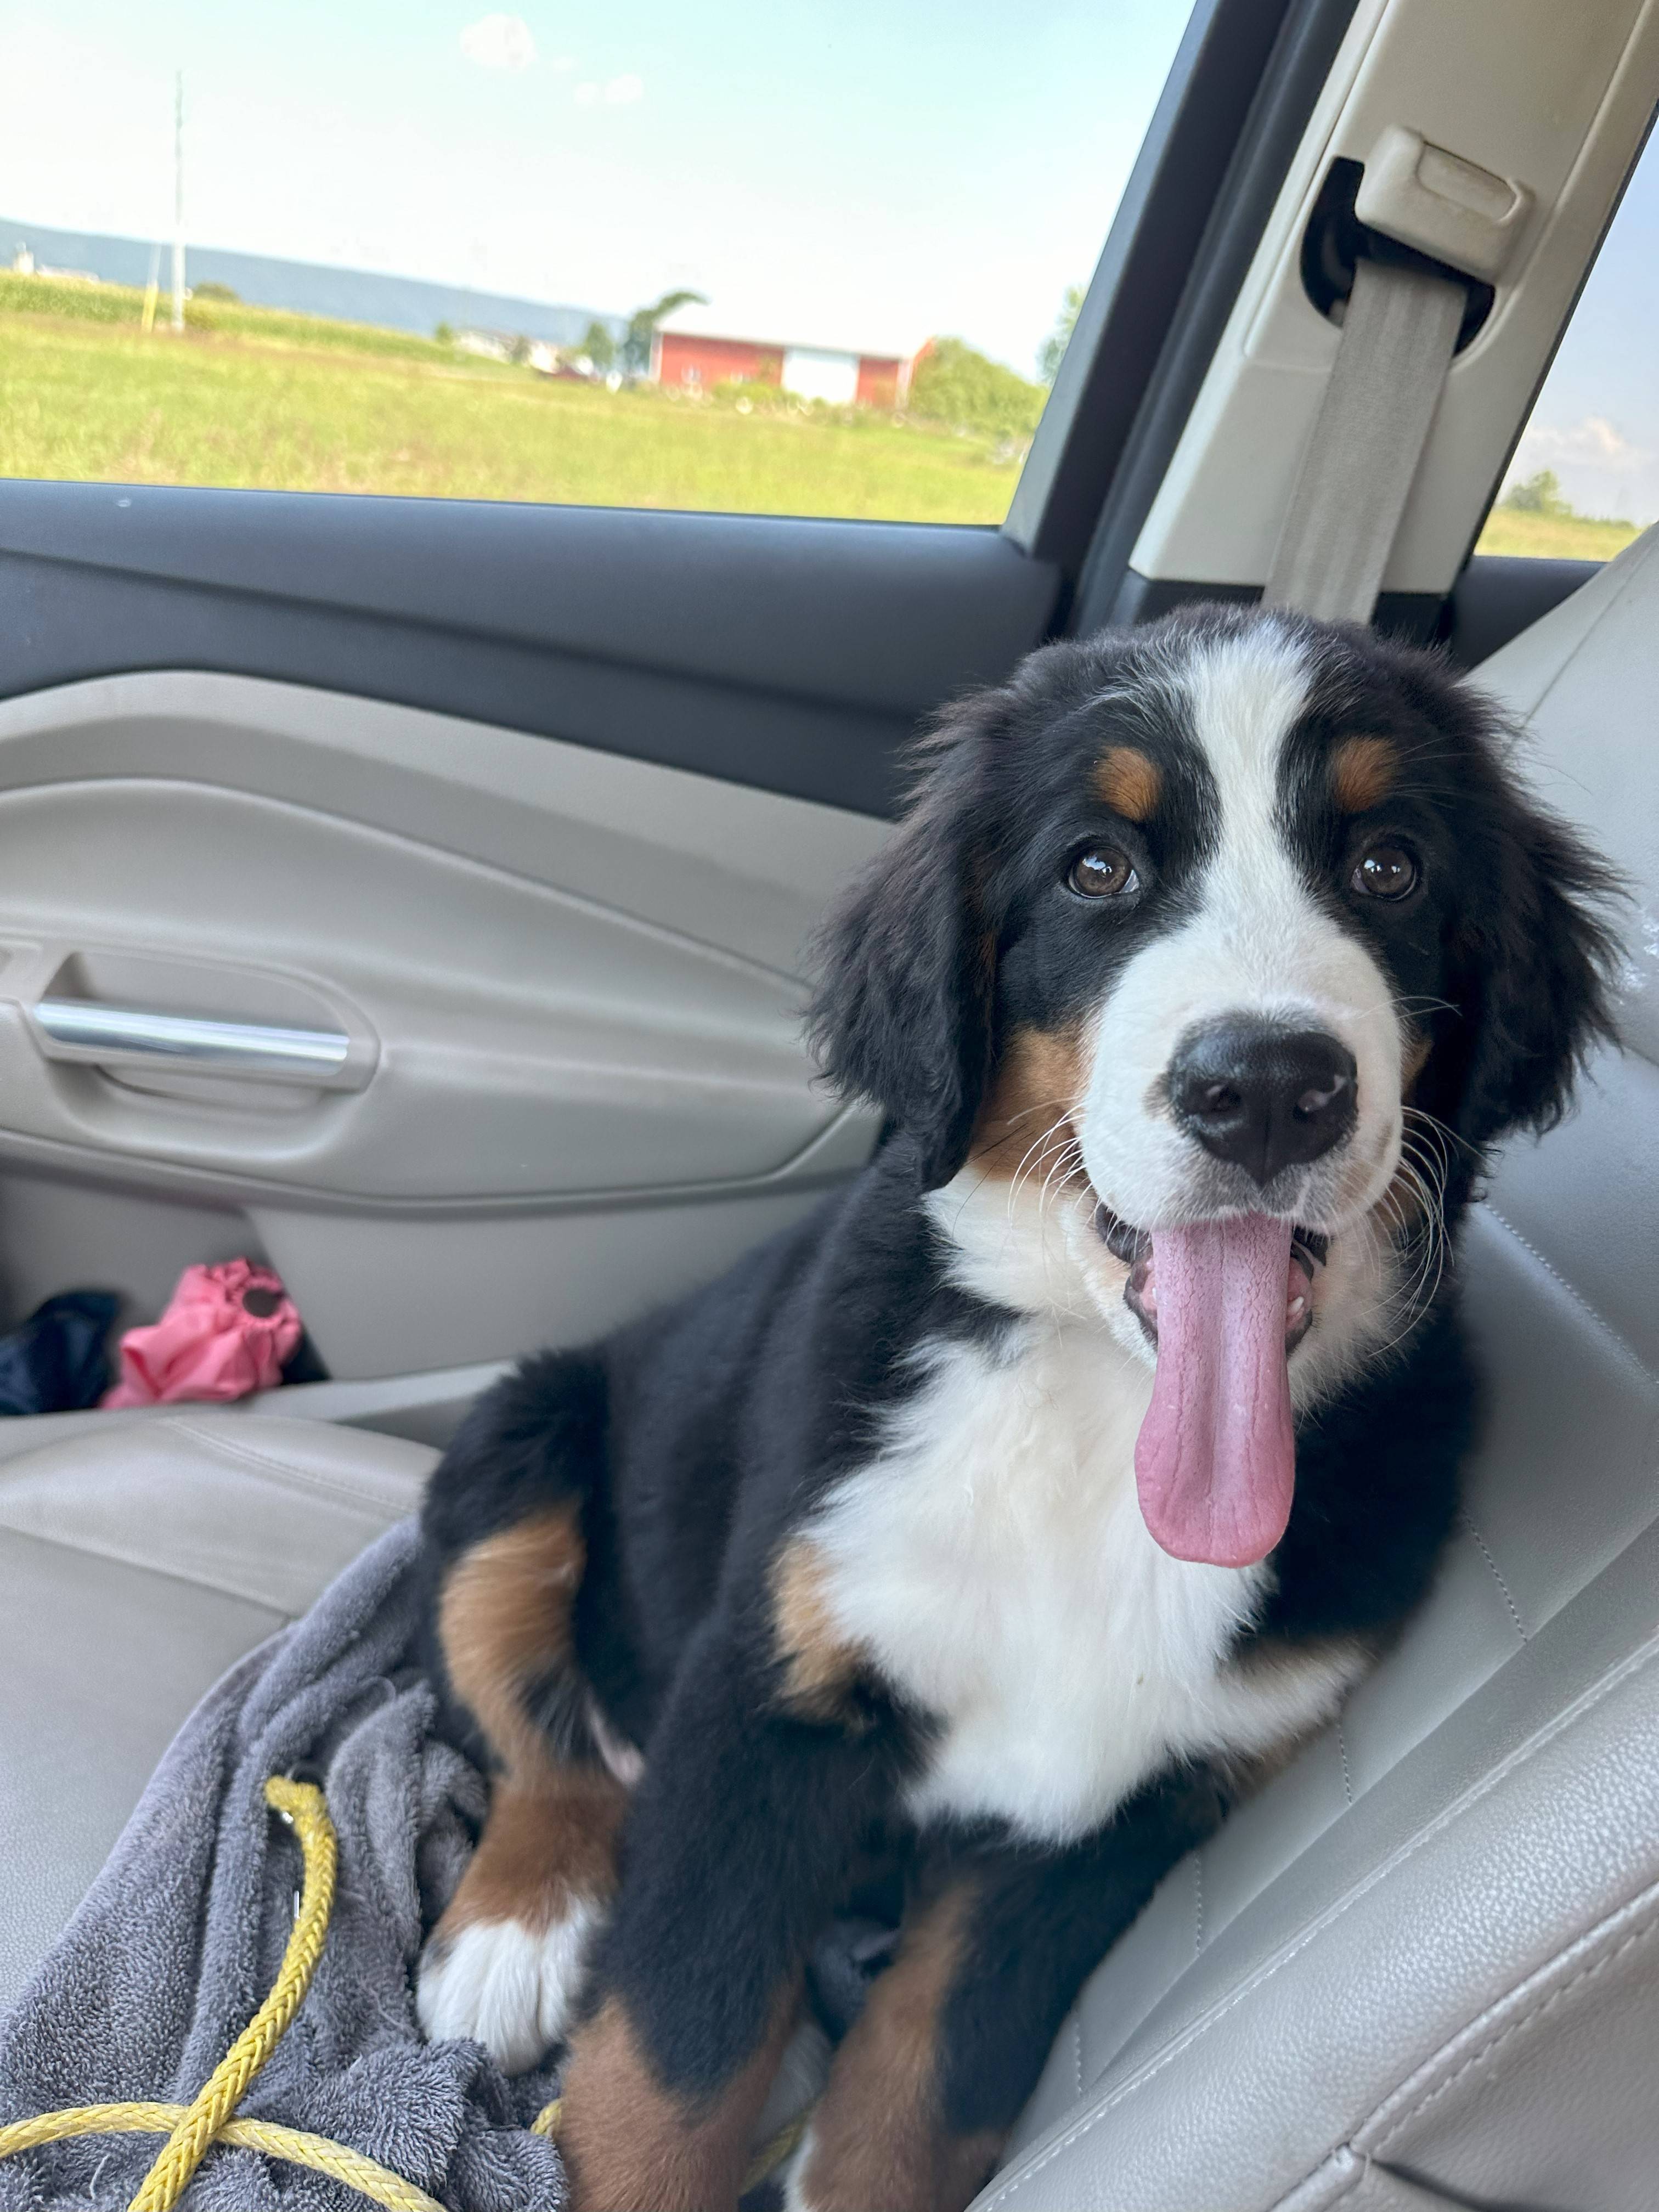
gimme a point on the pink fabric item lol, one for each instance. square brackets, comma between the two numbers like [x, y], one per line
[227, 1330]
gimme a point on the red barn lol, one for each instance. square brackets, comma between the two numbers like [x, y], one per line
[691, 352]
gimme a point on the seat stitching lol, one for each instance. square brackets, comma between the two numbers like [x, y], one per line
[1467, 1520]
[366, 1503]
[1198, 1902]
[1613, 1335]
[1331, 2167]
[1077, 2046]
[235, 1447]
[1342, 1746]
[341, 1485]
[145, 1567]
[1631, 1665]
[1529, 2018]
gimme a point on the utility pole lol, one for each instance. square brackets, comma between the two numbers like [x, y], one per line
[178, 201]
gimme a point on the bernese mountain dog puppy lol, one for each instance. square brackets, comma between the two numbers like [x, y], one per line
[1050, 1483]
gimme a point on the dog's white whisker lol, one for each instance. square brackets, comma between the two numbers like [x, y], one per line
[1445, 1132]
[1034, 1156]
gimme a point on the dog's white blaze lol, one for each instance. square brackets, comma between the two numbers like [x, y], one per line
[994, 1562]
[506, 1985]
[1259, 944]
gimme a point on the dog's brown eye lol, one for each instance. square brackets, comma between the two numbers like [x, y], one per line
[1385, 872]
[1101, 872]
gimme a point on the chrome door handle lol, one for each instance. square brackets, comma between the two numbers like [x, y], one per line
[112, 1035]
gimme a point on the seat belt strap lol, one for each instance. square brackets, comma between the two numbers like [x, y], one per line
[1398, 335]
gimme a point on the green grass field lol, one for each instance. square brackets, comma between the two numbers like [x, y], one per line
[1554, 537]
[250, 397]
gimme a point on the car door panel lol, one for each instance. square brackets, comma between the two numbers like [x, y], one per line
[791, 654]
[569, 986]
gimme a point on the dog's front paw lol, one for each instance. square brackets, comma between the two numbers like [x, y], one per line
[505, 1983]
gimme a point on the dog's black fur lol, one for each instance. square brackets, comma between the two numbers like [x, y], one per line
[696, 1442]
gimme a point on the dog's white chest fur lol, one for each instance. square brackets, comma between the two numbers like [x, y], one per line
[994, 1562]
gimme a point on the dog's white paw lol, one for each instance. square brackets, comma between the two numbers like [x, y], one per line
[506, 1985]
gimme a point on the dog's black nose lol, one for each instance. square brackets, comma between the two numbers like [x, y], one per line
[1262, 1097]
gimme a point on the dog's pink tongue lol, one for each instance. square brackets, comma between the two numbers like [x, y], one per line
[1215, 1462]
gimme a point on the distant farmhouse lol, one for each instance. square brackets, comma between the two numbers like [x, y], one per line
[692, 349]
[509, 345]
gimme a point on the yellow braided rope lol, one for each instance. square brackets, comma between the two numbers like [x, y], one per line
[302, 1805]
[317, 2151]
[191, 2129]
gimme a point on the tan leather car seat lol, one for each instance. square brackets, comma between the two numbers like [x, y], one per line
[139, 1557]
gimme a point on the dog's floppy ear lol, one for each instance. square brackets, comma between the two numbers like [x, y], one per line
[1536, 961]
[907, 963]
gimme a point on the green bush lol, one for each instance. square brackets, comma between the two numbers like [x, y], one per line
[213, 290]
[955, 386]
[759, 392]
[1537, 495]
[634, 355]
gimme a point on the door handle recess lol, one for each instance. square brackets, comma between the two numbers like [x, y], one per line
[113, 1036]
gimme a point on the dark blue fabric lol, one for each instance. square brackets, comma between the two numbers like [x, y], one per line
[55, 1363]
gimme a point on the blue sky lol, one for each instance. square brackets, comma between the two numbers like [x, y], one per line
[866, 172]
[1596, 420]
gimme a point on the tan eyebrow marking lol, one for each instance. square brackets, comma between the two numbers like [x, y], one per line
[1130, 784]
[1363, 770]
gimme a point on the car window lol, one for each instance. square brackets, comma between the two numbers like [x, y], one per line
[1584, 478]
[819, 260]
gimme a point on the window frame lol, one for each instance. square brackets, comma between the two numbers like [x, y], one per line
[1238, 98]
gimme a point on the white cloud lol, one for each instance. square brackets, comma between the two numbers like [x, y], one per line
[1594, 443]
[614, 91]
[500, 42]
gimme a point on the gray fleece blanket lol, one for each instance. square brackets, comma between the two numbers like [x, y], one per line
[180, 1939]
